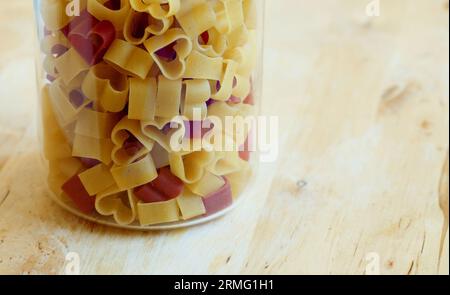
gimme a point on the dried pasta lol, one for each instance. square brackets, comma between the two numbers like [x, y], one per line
[116, 16]
[107, 87]
[135, 174]
[129, 59]
[142, 99]
[121, 204]
[126, 84]
[182, 47]
[139, 26]
[170, 140]
[126, 152]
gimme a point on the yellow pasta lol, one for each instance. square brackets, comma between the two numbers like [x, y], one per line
[117, 110]
[160, 156]
[226, 81]
[92, 148]
[216, 45]
[65, 108]
[239, 37]
[107, 87]
[95, 124]
[241, 122]
[190, 168]
[197, 20]
[208, 184]
[156, 213]
[230, 15]
[49, 42]
[199, 66]
[129, 59]
[101, 12]
[170, 140]
[135, 174]
[243, 87]
[135, 34]
[121, 133]
[226, 163]
[188, 5]
[245, 56]
[154, 7]
[142, 100]
[250, 13]
[49, 66]
[157, 11]
[55, 181]
[174, 69]
[54, 14]
[168, 98]
[97, 179]
[55, 144]
[190, 205]
[70, 65]
[121, 204]
[66, 167]
[197, 93]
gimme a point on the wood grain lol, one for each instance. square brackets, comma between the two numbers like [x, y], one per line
[363, 167]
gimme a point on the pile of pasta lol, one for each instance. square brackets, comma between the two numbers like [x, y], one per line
[117, 77]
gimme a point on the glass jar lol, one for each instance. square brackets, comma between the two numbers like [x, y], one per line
[140, 104]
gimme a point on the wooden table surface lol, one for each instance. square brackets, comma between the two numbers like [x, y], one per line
[361, 183]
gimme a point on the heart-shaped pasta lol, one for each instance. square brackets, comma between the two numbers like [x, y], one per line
[172, 68]
[121, 204]
[192, 167]
[196, 94]
[107, 87]
[196, 17]
[54, 14]
[211, 43]
[225, 89]
[135, 174]
[168, 133]
[70, 65]
[245, 56]
[130, 143]
[200, 66]
[230, 15]
[97, 179]
[157, 8]
[67, 103]
[142, 99]
[208, 184]
[139, 26]
[96, 124]
[164, 8]
[191, 205]
[54, 43]
[129, 59]
[90, 37]
[241, 128]
[157, 213]
[92, 148]
[113, 11]
[226, 163]
[55, 141]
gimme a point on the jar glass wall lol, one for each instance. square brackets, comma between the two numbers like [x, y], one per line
[144, 107]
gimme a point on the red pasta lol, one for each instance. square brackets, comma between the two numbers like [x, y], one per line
[90, 37]
[164, 188]
[78, 194]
